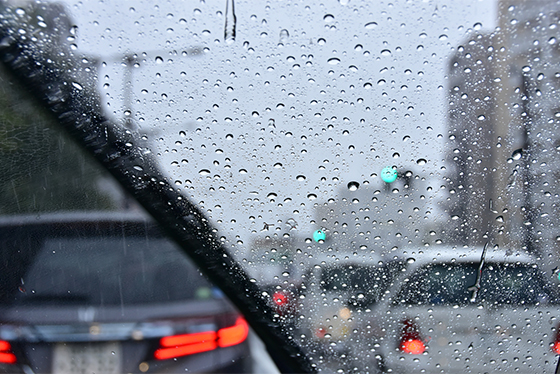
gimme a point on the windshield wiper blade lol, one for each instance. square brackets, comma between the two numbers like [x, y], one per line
[475, 288]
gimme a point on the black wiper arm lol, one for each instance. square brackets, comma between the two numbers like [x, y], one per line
[59, 81]
[476, 286]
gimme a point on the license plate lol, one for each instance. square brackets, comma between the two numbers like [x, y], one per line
[82, 358]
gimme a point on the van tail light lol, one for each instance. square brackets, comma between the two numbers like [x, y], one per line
[280, 299]
[556, 344]
[411, 341]
[6, 355]
[284, 303]
[189, 344]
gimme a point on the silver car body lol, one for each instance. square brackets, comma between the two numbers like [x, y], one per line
[477, 336]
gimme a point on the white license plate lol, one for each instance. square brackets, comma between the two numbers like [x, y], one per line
[82, 358]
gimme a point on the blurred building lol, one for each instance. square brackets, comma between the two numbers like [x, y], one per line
[380, 218]
[504, 112]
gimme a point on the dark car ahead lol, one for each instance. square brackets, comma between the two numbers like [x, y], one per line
[110, 294]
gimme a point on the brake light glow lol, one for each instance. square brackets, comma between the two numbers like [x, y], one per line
[411, 341]
[188, 344]
[280, 298]
[413, 346]
[6, 356]
[556, 345]
[233, 335]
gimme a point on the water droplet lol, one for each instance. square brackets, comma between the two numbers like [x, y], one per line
[343, 2]
[328, 18]
[421, 161]
[371, 25]
[381, 82]
[396, 155]
[481, 117]
[353, 186]
[272, 195]
[333, 61]
[284, 35]
[77, 86]
[311, 196]
[517, 154]
[500, 219]
[204, 172]
[300, 178]
[411, 260]
[159, 59]
[278, 165]
[385, 52]
[512, 179]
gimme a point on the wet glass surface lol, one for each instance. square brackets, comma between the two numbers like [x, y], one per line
[353, 176]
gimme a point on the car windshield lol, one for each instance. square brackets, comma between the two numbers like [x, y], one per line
[343, 173]
[449, 284]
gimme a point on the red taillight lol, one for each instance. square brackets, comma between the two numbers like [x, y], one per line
[556, 345]
[280, 298]
[233, 335]
[284, 303]
[320, 332]
[175, 340]
[411, 341]
[6, 357]
[413, 346]
[188, 344]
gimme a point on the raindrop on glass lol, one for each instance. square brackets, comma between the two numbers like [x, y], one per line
[353, 186]
[284, 35]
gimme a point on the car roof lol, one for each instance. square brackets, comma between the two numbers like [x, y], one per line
[456, 254]
[73, 217]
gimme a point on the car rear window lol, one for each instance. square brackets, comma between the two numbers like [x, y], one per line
[100, 268]
[445, 284]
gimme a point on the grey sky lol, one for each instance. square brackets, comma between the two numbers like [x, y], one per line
[350, 88]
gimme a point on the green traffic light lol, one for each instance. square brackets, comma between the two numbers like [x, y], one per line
[319, 235]
[389, 174]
